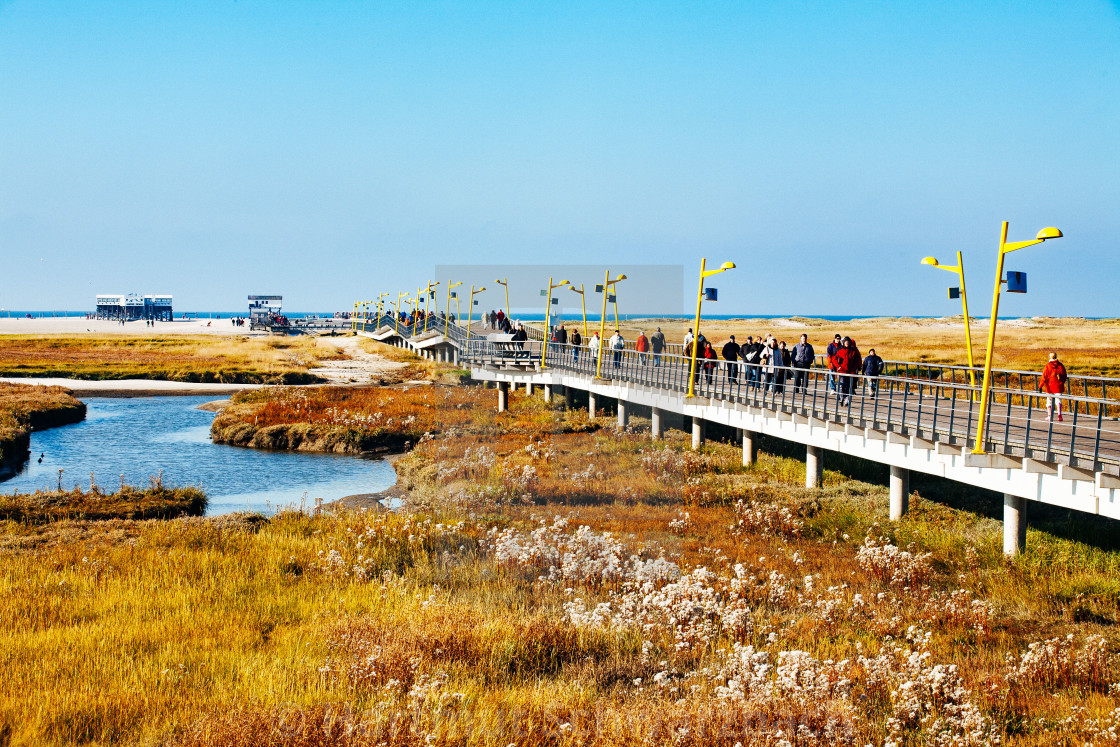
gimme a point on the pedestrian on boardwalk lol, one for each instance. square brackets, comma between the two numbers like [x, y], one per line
[657, 344]
[872, 369]
[803, 357]
[781, 366]
[642, 346]
[688, 338]
[593, 343]
[576, 340]
[731, 355]
[709, 359]
[617, 344]
[1054, 384]
[830, 354]
[848, 365]
[751, 354]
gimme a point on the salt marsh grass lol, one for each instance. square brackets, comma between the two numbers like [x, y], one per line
[175, 358]
[558, 582]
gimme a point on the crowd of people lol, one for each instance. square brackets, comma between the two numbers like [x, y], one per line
[765, 362]
[419, 316]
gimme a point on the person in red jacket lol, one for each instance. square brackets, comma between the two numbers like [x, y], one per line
[846, 361]
[642, 346]
[1053, 383]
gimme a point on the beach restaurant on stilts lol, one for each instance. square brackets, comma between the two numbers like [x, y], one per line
[131, 306]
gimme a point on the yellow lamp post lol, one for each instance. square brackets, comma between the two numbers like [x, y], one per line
[606, 288]
[447, 312]
[354, 316]
[428, 296]
[583, 302]
[548, 314]
[379, 306]
[1004, 249]
[959, 270]
[401, 296]
[506, 284]
[699, 298]
[470, 308]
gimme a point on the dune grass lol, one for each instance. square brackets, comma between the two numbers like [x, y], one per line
[559, 582]
[202, 358]
[154, 502]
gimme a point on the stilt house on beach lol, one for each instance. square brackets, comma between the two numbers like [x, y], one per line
[132, 306]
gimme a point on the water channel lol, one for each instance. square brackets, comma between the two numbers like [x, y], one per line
[138, 437]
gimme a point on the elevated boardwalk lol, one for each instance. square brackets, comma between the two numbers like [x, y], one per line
[917, 419]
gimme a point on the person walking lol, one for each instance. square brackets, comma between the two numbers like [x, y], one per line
[1053, 382]
[642, 346]
[848, 365]
[802, 361]
[710, 359]
[688, 338]
[830, 354]
[872, 369]
[593, 343]
[731, 355]
[657, 345]
[575, 340]
[752, 357]
[617, 344]
[782, 361]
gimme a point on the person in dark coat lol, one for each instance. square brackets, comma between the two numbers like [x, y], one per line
[752, 357]
[575, 340]
[657, 345]
[731, 355]
[872, 368]
[801, 361]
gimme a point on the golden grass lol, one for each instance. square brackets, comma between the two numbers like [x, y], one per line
[407, 629]
[202, 358]
[156, 502]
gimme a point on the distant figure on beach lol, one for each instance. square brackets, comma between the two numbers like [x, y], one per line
[1054, 384]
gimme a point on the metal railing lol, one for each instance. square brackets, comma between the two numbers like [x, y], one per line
[932, 409]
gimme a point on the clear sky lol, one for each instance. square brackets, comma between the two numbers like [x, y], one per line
[331, 151]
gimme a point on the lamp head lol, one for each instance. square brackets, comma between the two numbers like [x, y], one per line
[620, 277]
[1049, 233]
[930, 261]
[481, 289]
[727, 266]
[563, 282]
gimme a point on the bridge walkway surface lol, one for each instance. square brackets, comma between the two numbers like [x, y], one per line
[921, 417]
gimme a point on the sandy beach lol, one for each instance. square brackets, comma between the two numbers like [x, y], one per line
[70, 325]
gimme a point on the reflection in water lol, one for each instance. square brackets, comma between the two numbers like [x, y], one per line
[140, 437]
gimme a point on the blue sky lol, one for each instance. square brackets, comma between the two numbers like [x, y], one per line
[332, 151]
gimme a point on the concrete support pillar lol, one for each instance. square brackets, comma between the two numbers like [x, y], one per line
[528, 387]
[1014, 524]
[814, 466]
[591, 404]
[503, 396]
[750, 447]
[900, 492]
[569, 398]
[657, 429]
[548, 394]
[697, 433]
[623, 414]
